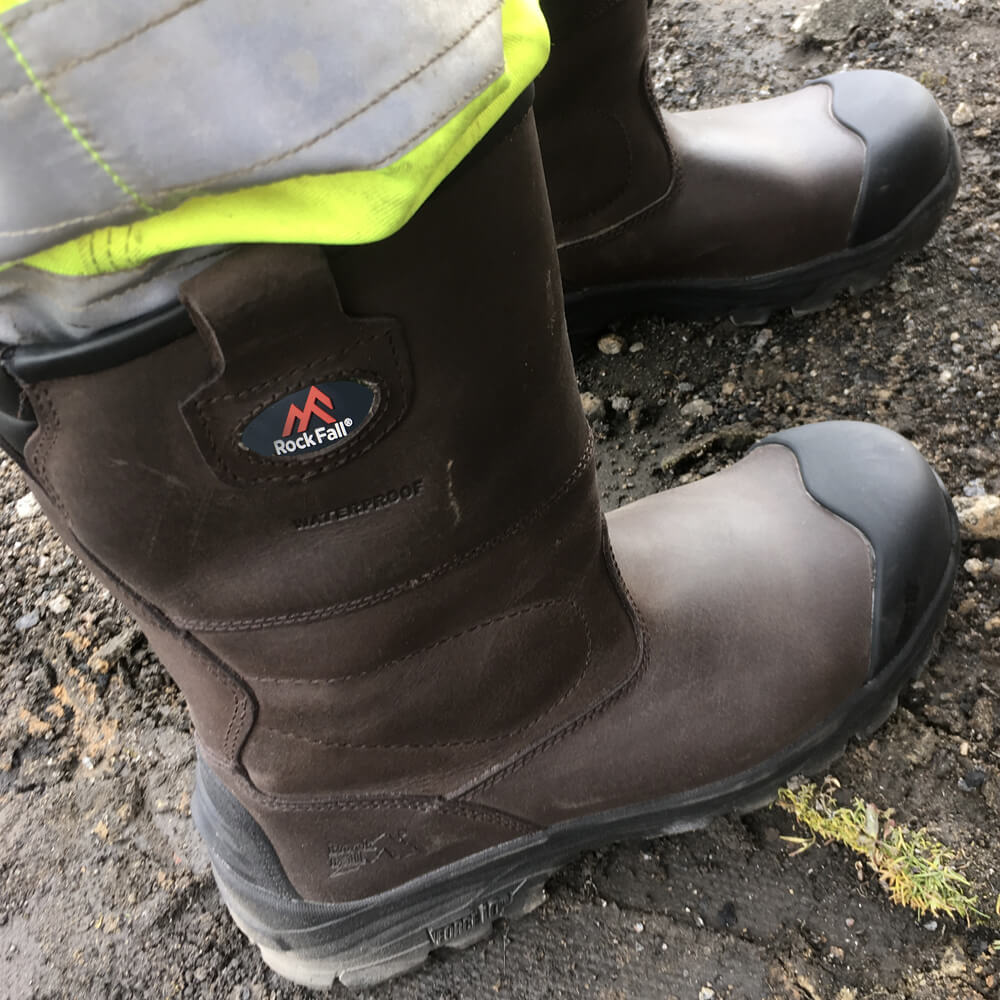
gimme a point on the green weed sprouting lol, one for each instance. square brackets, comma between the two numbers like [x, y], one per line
[914, 869]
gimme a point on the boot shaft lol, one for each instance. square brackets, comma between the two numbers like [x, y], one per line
[606, 154]
[391, 608]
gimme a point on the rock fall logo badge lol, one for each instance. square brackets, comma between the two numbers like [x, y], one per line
[313, 419]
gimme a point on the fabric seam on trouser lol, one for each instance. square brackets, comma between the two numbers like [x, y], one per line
[339, 207]
[204, 183]
[50, 103]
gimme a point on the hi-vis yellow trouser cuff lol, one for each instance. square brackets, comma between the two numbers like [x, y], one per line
[344, 207]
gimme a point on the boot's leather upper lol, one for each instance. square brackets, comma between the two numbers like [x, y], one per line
[423, 641]
[720, 193]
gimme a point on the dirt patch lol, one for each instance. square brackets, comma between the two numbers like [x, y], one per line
[104, 888]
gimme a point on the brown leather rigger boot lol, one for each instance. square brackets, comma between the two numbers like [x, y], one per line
[350, 497]
[729, 211]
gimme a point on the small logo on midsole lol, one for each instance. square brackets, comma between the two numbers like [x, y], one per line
[313, 419]
[347, 858]
[408, 491]
[486, 912]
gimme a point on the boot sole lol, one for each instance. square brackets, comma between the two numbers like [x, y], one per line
[804, 289]
[368, 941]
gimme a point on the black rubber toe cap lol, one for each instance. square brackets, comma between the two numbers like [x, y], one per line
[911, 154]
[877, 481]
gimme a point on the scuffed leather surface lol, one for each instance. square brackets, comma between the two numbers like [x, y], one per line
[757, 606]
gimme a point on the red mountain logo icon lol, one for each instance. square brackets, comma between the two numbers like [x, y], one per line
[298, 419]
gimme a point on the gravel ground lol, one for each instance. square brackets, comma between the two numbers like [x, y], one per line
[104, 889]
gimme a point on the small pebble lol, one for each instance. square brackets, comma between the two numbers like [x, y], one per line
[706, 993]
[30, 620]
[638, 927]
[593, 406]
[993, 625]
[59, 604]
[964, 114]
[27, 507]
[697, 408]
[636, 347]
[621, 404]
[979, 516]
[611, 343]
[975, 567]
[972, 780]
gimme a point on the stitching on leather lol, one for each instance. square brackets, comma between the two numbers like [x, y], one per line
[223, 763]
[330, 359]
[677, 180]
[109, 47]
[618, 228]
[236, 721]
[278, 157]
[461, 743]
[324, 463]
[479, 626]
[638, 671]
[470, 810]
[342, 607]
[49, 425]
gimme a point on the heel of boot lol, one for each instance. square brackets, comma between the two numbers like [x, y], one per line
[366, 941]
[377, 939]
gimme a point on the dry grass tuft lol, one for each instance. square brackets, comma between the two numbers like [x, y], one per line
[914, 869]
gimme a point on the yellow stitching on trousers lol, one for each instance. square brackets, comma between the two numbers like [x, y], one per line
[70, 127]
[345, 208]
